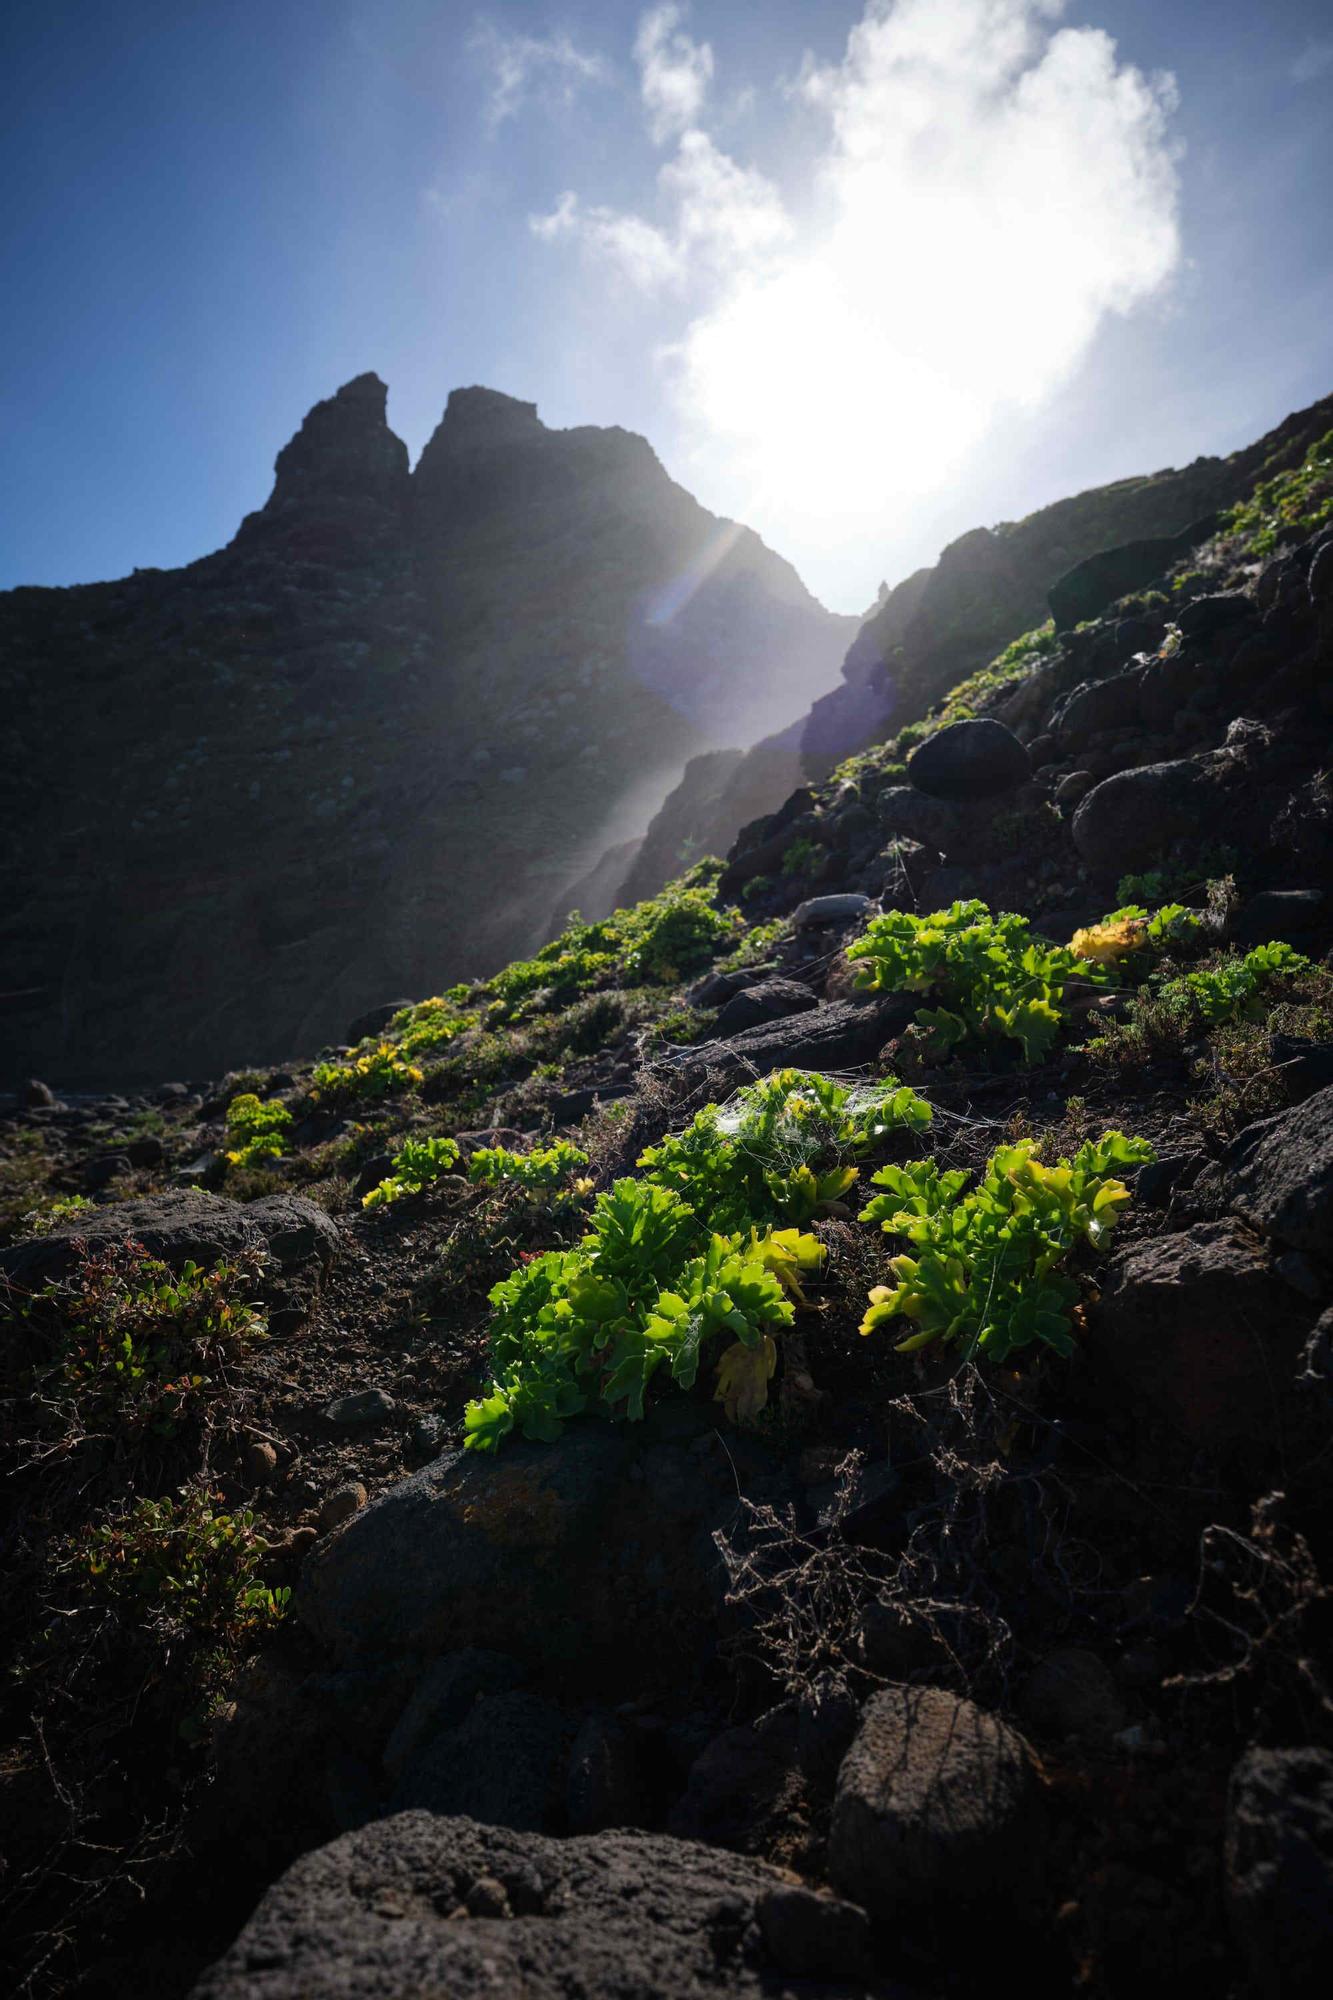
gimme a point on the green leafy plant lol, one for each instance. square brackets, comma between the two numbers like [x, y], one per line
[992, 979]
[648, 1288]
[801, 857]
[780, 1151]
[373, 1074]
[132, 1347]
[692, 1249]
[60, 1208]
[1236, 987]
[985, 1271]
[190, 1561]
[256, 1129]
[543, 1167]
[431, 1024]
[416, 1164]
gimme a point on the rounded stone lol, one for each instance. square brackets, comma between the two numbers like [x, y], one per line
[969, 760]
[342, 1503]
[938, 1813]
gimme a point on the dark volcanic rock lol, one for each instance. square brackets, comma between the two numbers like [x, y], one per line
[842, 1034]
[969, 760]
[511, 1552]
[770, 1000]
[937, 1822]
[1278, 1174]
[746, 1780]
[417, 1907]
[1280, 1869]
[185, 1226]
[504, 1764]
[1188, 1326]
[1086, 590]
[1131, 819]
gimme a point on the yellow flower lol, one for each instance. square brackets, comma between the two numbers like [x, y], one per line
[1102, 944]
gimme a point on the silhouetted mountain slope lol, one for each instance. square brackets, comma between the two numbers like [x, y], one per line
[363, 747]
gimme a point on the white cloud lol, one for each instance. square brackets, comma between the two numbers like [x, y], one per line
[723, 213]
[642, 252]
[987, 188]
[524, 66]
[1314, 59]
[674, 72]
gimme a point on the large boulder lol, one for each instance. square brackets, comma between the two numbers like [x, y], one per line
[969, 760]
[842, 1034]
[770, 1000]
[1098, 706]
[1086, 590]
[1194, 1326]
[511, 1551]
[185, 1226]
[1131, 819]
[418, 1907]
[937, 1821]
[1279, 1869]
[1278, 1174]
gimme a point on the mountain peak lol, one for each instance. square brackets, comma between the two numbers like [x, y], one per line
[344, 472]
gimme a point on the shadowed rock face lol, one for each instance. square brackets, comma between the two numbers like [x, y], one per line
[363, 749]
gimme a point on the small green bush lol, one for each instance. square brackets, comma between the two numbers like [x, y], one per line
[781, 1150]
[132, 1348]
[1236, 987]
[417, 1163]
[191, 1562]
[256, 1129]
[986, 1274]
[801, 857]
[543, 1167]
[376, 1073]
[994, 981]
[688, 1251]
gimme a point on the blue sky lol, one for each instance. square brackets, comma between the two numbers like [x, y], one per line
[866, 295]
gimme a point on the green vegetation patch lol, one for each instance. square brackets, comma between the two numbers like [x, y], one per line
[1301, 499]
[375, 1073]
[130, 1348]
[187, 1559]
[993, 980]
[691, 1253]
[985, 1271]
[256, 1129]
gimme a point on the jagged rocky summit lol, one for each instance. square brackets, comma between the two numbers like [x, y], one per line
[372, 742]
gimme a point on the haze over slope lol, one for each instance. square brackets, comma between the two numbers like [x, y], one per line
[363, 748]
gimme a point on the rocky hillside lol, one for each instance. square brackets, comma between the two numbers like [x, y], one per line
[368, 744]
[778, 1446]
[944, 623]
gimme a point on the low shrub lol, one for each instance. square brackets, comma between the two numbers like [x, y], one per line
[376, 1073]
[417, 1163]
[186, 1560]
[543, 1167]
[130, 1349]
[986, 1268]
[256, 1129]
